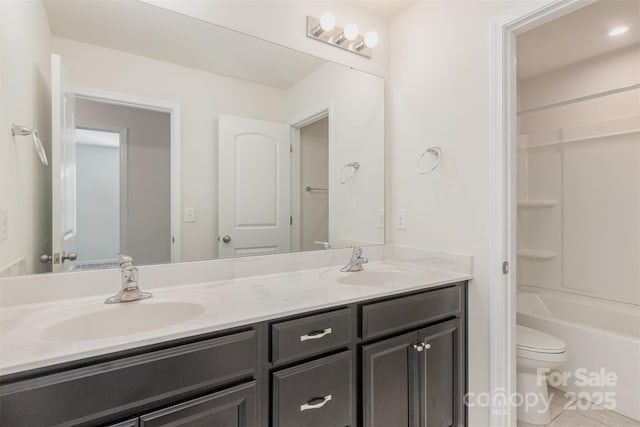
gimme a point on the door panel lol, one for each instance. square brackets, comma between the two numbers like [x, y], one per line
[63, 168]
[390, 382]
[254, 176]
[234, 407]
[442, 375]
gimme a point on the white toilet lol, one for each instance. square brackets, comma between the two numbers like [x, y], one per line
[536, 350]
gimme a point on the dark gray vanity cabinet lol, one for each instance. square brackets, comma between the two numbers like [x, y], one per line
[233, 407]
[394, 361]
[124, 387]
[416, 378]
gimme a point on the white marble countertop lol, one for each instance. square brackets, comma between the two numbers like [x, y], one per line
[227, 304]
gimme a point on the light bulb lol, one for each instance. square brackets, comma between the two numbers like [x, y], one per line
[350, 31]
[327, 21]
[616, 31]
[371, 39]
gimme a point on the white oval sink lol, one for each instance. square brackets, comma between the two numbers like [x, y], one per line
[383, 276]
[121, 319]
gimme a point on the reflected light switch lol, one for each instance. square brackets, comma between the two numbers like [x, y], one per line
[189, 214]
[380, 218]
[4, 226]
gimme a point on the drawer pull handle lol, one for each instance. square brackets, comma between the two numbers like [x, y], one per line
[316, 403]
[314, 335]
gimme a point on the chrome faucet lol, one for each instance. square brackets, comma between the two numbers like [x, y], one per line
[130, 290]
[355, 264]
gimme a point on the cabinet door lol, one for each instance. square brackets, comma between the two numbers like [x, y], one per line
[442, 374]
[233, 407]
[389, 376]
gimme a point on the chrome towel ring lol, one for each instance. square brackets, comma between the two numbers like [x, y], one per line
[437, 152]
[354, 167]
[17, 130]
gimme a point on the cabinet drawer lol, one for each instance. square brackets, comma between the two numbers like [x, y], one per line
[402, 313]
[233, 407]
[314, 394]
[100, 392]
[310, 335]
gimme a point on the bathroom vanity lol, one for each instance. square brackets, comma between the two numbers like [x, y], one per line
[394, 360]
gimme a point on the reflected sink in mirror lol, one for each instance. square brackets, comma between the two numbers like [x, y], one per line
[121, 319]
[383, 275]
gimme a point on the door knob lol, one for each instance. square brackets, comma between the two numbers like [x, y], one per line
[226, 239]
[71, 256]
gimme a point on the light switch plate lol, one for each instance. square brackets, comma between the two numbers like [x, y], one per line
[189, 214]
[4, 225]
[401, 219]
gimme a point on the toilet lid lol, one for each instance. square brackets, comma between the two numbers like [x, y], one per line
[534, 340]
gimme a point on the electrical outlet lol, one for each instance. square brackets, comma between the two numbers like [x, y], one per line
[189, 214]
[401, 219]
[380, 218]
[4, 224]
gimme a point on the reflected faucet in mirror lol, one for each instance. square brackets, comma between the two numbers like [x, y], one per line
[130, 290]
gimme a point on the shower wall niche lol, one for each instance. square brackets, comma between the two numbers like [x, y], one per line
[579, 178]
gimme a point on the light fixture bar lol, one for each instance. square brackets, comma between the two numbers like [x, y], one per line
[337, 38]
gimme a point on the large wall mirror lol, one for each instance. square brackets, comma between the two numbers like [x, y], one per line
[172, 139]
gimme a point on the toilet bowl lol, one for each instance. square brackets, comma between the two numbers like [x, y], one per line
[536, 354]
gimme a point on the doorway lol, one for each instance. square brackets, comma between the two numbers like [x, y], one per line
[100, 166]
[314, 186]
[123, 155]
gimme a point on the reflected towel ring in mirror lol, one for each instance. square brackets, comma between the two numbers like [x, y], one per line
[354, 167]
[24, 131]
[437, 152]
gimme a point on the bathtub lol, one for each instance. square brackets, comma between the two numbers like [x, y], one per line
[602, 338]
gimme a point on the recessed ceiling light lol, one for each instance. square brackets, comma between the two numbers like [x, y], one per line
[616, 31]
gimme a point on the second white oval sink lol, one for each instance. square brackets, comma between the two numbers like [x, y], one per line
[121, 319]
[382, 276]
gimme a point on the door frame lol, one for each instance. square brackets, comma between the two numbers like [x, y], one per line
[174, 110]
[502, 303]
[300, 121]
[123, 132]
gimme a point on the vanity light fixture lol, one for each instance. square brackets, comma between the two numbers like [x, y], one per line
[347, 38]
[619, 30]
[327, 23]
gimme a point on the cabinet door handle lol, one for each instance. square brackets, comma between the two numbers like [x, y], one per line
[314, 335]
[316, 403]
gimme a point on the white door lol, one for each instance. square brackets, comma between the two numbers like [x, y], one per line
[254, 193]
[63, 169]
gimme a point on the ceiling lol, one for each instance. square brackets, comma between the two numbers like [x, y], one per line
[386, 9]
[577, 36]
[143, 29]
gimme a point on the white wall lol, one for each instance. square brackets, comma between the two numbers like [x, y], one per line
[356, 133]
[25, 99]
[202, 96]
[594, 228]
[284, 23]
[439, 94]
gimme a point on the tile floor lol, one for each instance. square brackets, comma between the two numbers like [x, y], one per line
[567, 413]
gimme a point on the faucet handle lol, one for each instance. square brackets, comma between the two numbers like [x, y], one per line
[125, 260]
